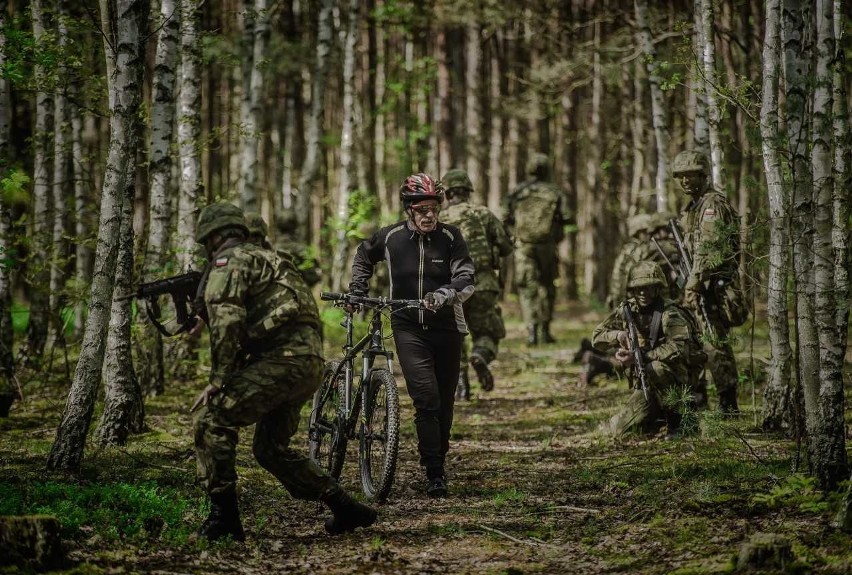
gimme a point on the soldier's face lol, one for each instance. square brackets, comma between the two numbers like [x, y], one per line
[692, 182]
[645, 295]
[425, 215]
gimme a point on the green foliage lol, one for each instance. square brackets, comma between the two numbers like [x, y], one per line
[14, 187]
[797, 490]
[681, 400]
[114, 511]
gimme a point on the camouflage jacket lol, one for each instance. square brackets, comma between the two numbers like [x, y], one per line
[301, 258]
[536, 212]
[258, 303]
[711, 235]
[631, 254]
[677, 340]
[487, 241]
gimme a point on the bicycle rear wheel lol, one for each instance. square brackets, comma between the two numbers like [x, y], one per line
[326, 438]
[379, 436]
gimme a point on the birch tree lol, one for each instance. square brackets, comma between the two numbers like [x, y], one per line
[150, 348]
[252, 117]
[714, 112]
[311, 167]
[125, 83]
[38, 272]
[777, 396]
[700, 129]
[658, 110]
[474, 145]
[82, 211]
[824, 405]
[341, 256]
[7, 358]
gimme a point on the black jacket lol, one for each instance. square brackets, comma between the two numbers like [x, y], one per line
[419, 264]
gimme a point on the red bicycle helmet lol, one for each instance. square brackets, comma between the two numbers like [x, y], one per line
[419, 187]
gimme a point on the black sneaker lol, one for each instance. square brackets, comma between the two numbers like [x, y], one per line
[437, 487]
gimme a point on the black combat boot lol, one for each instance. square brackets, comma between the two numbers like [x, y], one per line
[673, 421]
[463, 387]
[6, 401]
[594, 365]
[728, 402]
[546, 336]
[532, 330]
[580, 354]
[349, 514]
[483, 374]
[224, 518]
[436, 482]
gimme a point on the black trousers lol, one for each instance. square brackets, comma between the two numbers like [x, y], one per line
[430, 363]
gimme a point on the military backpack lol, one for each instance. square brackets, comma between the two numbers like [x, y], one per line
[534, 210]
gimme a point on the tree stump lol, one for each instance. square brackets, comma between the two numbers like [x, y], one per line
[766, 551]
[31, 541]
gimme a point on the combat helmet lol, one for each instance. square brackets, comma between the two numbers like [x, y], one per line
[455, 181]
[691, 161]
[538, 165]
[638, 223]
[420, 187]
[216, 217]
[256, 224]
[646, 273]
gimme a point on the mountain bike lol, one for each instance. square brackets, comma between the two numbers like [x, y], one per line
[359, 404]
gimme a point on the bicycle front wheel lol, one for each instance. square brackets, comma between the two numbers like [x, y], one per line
[379, 436]
[326, 436]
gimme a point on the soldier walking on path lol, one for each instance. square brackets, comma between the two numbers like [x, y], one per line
[669, 353]
[487, 243]
[536, 212]
[712, 291]
[266, 356]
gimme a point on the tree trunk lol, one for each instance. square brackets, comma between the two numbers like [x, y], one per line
[443, 106]
[126, 91]
[595, 279]
[826, 428]
[341, 254]
[658, 110]
[311, 167]
[714, 113]
[700, 130]
[82, 218]
[124, 410]
[778, 394]
[252, 122]
[7, 335]
[495, 143]
[38, 270]
[474, 145]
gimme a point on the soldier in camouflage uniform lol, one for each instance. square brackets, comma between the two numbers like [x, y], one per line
[671, 351]
[667, 255]
[266, 346]
[711, 235]
[536, 212]
[487, 243]
[631, 253]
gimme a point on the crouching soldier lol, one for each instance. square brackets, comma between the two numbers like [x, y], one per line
[265, 349]
[670, 354]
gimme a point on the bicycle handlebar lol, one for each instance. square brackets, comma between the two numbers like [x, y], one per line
[371, 302]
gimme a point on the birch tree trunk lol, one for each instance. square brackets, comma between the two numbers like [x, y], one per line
[149, 351]
[7, 335]
[341, 254]
[826, 427]
[797, 71]
[700, 130]
[126, 90]
[253, 119]
[82, 217]
[124, 410]
[38, 271]
[495, 140]
[311, 168]
[658, 111]
[714, 114]
[778, 394]
[473, 111]
[443, 121]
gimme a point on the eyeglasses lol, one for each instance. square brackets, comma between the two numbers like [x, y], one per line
[423, 210]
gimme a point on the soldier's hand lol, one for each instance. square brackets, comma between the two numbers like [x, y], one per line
[623, 339]
[196, 329]
[624, 357]
[205, 397]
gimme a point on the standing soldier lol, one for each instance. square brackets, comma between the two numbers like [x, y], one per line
[536, 212]
[669, 350]
[487, 242]
[266, 356]
[712, 291]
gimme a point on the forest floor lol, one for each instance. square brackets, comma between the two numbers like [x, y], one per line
[535, 487]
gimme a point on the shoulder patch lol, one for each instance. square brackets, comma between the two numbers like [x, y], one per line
[710, 212]
[221, 262]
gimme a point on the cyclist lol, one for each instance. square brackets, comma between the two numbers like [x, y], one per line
[427, 260]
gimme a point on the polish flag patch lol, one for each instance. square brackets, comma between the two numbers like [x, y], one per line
[220, 262]
[710, 212]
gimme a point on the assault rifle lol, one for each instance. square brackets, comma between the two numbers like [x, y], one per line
[683, 270]
[183, 290]
[635, 348]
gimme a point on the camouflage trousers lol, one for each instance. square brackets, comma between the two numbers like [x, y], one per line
[269, 392]
[721, 362]
[485, 323]
[536, 266]
[641, 415]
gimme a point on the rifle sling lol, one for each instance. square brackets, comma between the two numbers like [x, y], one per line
[153, 308]
[656, 325]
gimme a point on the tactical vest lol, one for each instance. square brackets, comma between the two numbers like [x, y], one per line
[465, 216]
[535, 205]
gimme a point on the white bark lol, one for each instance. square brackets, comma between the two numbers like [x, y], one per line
[700, 131]
[126, 89]
[253, 114]
[82, 225]
[777, 396]
[341, 254]
[714, 114]
[495, 141]
[658, 110]
[310, 168]
[473, 109]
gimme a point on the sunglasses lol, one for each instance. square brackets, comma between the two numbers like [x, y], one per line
[423, 210]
